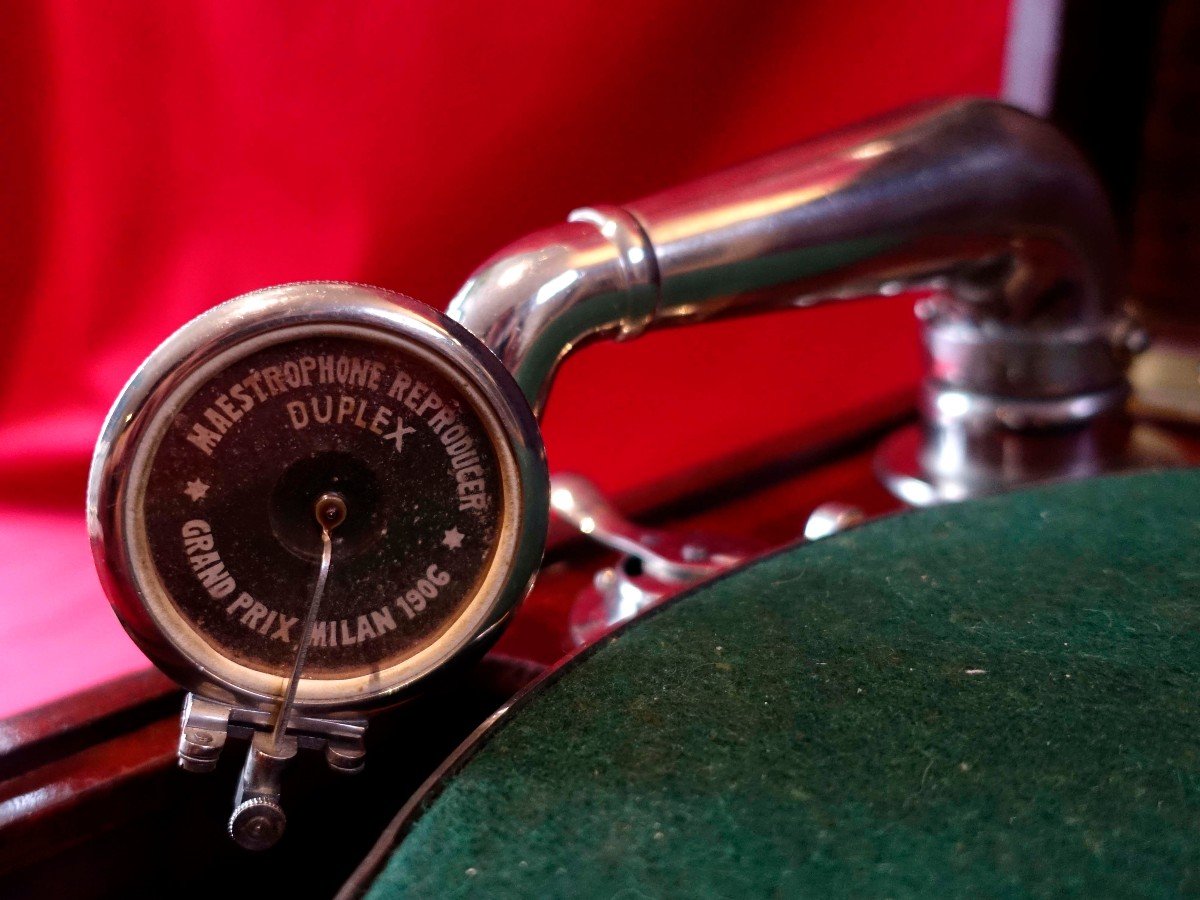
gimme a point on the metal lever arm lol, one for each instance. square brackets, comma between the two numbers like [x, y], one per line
[665, 555]
[656, 564]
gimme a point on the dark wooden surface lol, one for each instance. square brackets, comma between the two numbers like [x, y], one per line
[1166, 225]
[116, 816]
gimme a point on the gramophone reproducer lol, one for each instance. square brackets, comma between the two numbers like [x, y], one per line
[317, 493]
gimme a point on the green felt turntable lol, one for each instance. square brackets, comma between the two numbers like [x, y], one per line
[997, 697]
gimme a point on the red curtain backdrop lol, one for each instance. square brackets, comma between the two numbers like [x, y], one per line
[158, 158]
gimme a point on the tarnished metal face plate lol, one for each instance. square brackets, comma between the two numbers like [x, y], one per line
[231, 487]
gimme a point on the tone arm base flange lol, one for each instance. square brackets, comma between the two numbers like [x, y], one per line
[924, 469]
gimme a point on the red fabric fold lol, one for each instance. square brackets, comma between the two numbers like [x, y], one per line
[160, 158]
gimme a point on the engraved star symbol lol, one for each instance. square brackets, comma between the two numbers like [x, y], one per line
[196, 489]
[453, 538]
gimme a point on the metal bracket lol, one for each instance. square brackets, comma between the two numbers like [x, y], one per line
[655, 564]
[258, 820]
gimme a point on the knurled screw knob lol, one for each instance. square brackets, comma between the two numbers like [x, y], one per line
[257, 823]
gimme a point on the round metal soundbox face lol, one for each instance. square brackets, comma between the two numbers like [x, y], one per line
[202, 489]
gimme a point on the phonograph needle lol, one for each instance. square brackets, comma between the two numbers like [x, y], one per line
[330, 510]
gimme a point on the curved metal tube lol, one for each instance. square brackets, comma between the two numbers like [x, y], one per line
[990, 208]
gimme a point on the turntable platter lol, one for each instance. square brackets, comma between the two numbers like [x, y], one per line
[986, 698]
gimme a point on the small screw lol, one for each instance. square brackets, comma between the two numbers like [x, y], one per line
[1137, 340]
[330, 510]
[345, 759]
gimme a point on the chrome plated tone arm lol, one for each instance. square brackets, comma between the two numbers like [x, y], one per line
[989, 210]
[988, 206]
